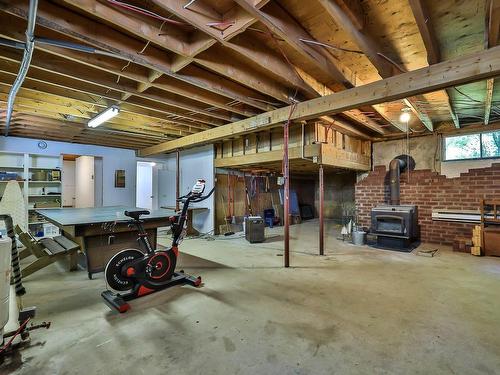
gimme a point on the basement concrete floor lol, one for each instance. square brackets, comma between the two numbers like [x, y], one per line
[356, 310]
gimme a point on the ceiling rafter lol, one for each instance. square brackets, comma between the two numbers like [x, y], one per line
[431, 44]
[70, 24]
[373, 52]
[450, 73]
[492, 31]
[214, 61]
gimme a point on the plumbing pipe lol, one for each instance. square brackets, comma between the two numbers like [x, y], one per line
[286, 196]
[25, 63]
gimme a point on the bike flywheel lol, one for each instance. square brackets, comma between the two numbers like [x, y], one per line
[114, 274]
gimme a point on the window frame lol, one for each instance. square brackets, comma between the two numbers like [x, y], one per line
[481, 157]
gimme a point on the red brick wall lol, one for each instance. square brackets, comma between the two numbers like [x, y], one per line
[430, 190]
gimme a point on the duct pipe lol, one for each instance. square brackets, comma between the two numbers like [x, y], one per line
[77, 47]
[25, 64]
[395, 168]
[11, 43]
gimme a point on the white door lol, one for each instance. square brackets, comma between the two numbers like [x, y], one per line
[144, 192]
[68, 183]
[166, 188]
[84, 182]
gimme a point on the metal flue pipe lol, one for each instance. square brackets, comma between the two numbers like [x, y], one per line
[395, 168]
[25, 64]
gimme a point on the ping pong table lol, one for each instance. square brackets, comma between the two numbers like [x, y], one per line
[102, 232]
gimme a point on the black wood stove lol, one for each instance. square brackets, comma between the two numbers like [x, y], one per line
[395, 224]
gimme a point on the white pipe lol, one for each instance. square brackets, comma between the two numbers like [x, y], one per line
[25, 64]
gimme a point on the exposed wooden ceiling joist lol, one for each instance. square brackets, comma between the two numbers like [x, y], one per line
[436, 77]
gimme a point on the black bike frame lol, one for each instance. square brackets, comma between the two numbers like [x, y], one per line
[177, 227]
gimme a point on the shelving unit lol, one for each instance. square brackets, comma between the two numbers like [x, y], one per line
[35, 174]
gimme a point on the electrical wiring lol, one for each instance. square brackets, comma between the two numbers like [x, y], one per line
[330, 46]
[148, 13]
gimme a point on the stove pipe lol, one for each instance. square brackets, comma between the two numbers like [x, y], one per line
[395, 168]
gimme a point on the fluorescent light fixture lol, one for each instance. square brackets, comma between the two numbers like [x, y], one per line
[104, 116]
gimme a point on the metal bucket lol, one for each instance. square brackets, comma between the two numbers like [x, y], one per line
[358, 238]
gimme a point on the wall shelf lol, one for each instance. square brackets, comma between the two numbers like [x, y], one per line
[44, 195]
[44, 182]
[26, 166]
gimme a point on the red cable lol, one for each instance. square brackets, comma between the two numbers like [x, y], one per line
[19, 330]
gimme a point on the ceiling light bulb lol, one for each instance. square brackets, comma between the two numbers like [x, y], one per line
[104, 116]
[405, 116]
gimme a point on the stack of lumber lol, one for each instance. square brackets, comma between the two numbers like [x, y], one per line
[476, 240]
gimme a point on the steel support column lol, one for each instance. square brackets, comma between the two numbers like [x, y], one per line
[286, 195]
[321, 211]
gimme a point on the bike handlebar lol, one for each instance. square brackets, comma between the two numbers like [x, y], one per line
[195, 199]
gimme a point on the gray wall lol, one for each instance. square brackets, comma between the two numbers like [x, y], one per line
[424, 150]
[112, 159]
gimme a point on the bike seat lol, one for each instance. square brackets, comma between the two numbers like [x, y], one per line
[136, 214]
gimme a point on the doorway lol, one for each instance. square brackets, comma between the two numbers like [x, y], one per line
[82, 181]
[145, 181]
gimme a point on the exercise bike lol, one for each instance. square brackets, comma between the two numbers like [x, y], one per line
[143, 272]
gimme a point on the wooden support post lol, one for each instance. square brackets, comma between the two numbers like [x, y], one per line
[177, 178]
[286, 195]
[321, 211]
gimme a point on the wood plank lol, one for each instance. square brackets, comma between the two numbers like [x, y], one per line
[83, 29]
[426, 29]
[490, 83]
[267, 156]
[455, 72]
[424, 23]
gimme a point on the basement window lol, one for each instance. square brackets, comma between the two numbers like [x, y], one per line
[472, 146]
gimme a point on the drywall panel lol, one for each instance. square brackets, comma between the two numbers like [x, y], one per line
[195, 163]
[112, 159]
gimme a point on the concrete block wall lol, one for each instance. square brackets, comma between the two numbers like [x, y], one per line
[430, 190]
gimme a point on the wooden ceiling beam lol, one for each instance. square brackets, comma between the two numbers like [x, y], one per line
[108, 140]
[69, 91]
[431, 44]
[266, 59]
[354, 10]
[492, 31]
[139, 130]
[124, 132]
[36, 103]
[372, 50]
[279, 22]
[144, 30]
[174, 105]
[355, 115]
[276, 19]
[465, 69]
[75, 71]
[83, 29]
